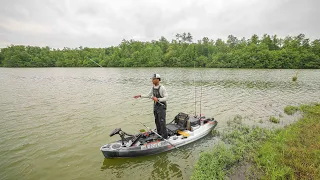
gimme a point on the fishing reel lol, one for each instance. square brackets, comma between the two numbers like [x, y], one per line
[121, 133]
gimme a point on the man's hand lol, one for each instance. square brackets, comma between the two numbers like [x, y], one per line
[137, 96]
[155, 99]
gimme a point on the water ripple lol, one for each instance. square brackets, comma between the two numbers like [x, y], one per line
[53, 120]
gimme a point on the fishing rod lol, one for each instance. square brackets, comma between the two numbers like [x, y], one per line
[195, 91]
[160, 103]
[200, 96]
[201, 83]
[159, 135]
[95, 62]
[150, 98]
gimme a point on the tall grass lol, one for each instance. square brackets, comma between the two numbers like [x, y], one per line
[289, 153]
[294, 152]
[237, 144]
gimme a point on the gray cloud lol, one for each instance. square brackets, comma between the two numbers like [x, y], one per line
[99, 23]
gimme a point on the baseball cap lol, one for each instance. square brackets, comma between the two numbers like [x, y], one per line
[156, 76]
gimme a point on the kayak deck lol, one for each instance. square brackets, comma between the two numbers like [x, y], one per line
[148, 143]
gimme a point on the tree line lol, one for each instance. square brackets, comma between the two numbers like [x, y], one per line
[256, 52]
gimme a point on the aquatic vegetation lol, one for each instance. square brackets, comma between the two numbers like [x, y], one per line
[274, 119]
[212, 165]
[215, 132]
[236, 145]
[290, 110]
[235, 121]
[289, 153]
[294, 78]
[294, 152]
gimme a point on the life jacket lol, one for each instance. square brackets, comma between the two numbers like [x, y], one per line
[156, 93]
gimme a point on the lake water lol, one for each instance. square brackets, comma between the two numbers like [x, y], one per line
[54, 120]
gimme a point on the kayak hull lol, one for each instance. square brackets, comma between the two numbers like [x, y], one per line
[116, 149]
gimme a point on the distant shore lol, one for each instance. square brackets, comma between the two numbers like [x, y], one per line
[266, 52]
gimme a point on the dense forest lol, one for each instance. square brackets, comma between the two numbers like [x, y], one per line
[256, 52]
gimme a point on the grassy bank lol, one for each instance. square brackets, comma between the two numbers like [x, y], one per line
[289, 153]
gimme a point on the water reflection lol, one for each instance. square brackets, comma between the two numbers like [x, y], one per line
[158, 166]
[163, 168]
[174, 164]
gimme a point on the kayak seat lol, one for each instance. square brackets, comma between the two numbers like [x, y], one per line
[178, 124]
[174, 128]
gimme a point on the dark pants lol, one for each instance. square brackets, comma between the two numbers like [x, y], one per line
[159, 112]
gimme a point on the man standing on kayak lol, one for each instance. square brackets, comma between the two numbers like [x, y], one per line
[159, 95]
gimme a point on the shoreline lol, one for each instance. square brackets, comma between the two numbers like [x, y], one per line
[256, 153]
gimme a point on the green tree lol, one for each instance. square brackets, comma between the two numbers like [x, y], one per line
[1, 58]
[265, 52]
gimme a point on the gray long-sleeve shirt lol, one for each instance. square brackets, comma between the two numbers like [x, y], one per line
[162, 91]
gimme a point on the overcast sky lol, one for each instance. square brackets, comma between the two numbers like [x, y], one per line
[103, 23]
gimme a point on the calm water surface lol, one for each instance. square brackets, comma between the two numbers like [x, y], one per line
[54, 120]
